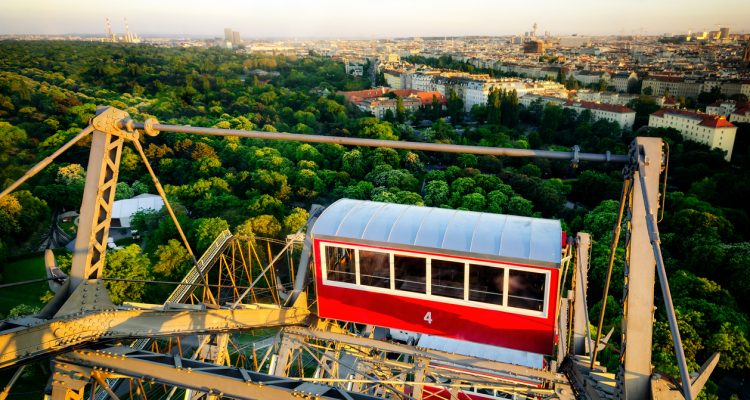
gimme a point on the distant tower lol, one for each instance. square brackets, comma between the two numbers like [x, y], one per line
[108, 27]
[533, 31]
[128, 38]
[723, 33]
[228, 35]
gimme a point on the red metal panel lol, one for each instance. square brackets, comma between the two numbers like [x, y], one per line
[499, 328]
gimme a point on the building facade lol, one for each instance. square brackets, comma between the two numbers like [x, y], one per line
[712, 130]
[624, 116]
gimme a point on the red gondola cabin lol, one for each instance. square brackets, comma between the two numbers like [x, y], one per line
[479, 277]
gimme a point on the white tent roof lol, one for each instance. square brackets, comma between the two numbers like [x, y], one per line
[124, 209]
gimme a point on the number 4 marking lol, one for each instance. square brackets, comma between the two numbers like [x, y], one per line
[428, 317]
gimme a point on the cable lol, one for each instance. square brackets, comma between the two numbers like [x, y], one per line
[626, 189]
[7, 285]
[46, 161]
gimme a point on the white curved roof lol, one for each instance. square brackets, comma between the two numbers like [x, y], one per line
[511, 238]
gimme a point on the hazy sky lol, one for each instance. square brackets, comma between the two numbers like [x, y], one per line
[381, 18]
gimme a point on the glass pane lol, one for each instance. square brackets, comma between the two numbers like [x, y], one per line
[526, 290]
[486, 284]
[410, 273]
[447, 279]
[340, 264]
[374, 269]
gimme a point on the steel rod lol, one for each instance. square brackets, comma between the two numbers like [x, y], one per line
[653, 232]
[579, 267]
[626, 188]
[46, 161]
[394, 144]
[13, 379]
[263, 272]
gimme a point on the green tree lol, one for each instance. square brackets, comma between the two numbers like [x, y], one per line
[205, 231]
[295, 220]
[517, 205]
[494, 106]
[474, 202]
[400, 110]
[127, 263]
[172, 260]
[436, 193]
[23, 310]
[455, 107]
[265, 225]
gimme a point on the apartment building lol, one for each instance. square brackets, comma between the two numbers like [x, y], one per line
[741, 115]
[722, 107]
[624, 116]
[624, 82]
[713, 130]
[379, 106]
[591, 77]
[672, 86]
[394, 79]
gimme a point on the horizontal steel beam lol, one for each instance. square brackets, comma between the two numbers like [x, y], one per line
[205, 377]
[435, 356]
[46, 337]
[573, 156]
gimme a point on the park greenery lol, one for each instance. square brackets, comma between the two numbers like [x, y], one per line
[49, 91]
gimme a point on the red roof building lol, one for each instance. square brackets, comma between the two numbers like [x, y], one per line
[713, 130]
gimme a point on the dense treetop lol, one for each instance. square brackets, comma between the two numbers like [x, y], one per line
[49, 90]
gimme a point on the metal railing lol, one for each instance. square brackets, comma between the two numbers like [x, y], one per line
[181, 292]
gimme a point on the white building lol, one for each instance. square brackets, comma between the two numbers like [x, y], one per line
[624, 116]
[591, 77]
[672, 86]
[380, 106]
[422, 82]
[394, 79]
[741, 115]
[477, 91]
[529, 99]
[722, 107]
[123, 210]
[620, 99]
[712, 130]
[624, 82]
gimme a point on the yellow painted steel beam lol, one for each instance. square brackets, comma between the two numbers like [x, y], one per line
[65, 333]
[215, 380]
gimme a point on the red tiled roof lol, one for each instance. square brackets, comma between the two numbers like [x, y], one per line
[600, 106]
[712, 121]
[426, 97]
[360, 95]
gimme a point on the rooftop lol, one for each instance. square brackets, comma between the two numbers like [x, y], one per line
[599, 106]
[500, 237]
[713, 121]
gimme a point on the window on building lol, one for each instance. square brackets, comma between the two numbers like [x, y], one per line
[486, 284]
[374, 269]
[410, 273]
[340, 264]
[526, 290]
[447, 279]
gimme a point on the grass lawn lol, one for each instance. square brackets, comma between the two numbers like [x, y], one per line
[23, 269]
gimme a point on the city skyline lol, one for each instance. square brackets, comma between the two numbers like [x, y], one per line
[389, 18]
